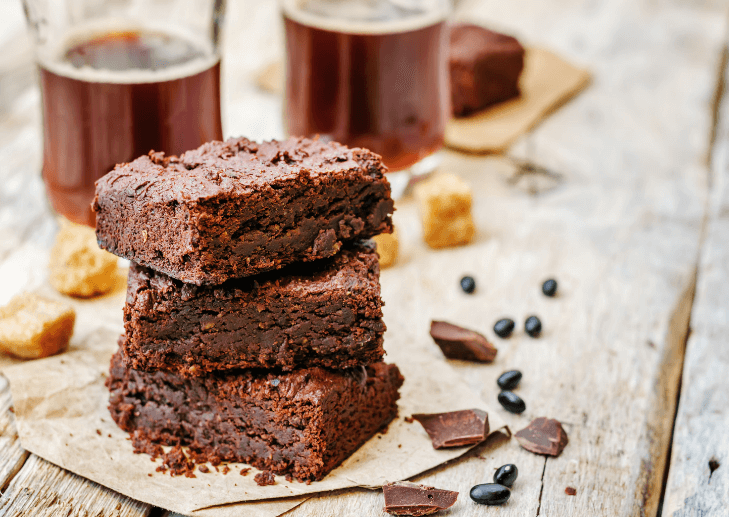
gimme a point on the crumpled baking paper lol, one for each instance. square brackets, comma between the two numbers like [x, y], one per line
[61, 414]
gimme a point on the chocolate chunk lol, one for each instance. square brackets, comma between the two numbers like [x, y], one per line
[459, 343]
[456, 428]
[570, 490]
[543, 436]
[405, 498]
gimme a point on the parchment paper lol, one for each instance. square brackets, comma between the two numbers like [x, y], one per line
[547, 82]
[60, 409]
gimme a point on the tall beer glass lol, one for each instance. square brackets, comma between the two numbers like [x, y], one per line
[369, 73]
[120, 78]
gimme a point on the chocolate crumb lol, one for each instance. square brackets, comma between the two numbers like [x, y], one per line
[570, 490]
[98, 431]
[226, 469]
[11, 409]
[264, 478]
[150, 475]
[204, 469]
[409, 419]
[244, 472]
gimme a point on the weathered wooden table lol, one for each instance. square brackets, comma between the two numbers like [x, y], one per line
[635, 354]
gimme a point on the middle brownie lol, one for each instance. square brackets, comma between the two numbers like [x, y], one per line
[326, 313]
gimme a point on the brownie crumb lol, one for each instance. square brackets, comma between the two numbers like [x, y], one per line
[144, 446]
[265, 478]
[570, 490]
[98, 431]
[204, 469]
[11, 409]
[226, 469]
[244, 472]
[178, 462]
[409, 419]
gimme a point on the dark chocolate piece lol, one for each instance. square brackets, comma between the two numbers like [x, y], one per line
[302, 423]
[325, 313]
[405, 498]
[460, 343]
[543, 436]
[238, 208]
[484, 68]
[456, 428]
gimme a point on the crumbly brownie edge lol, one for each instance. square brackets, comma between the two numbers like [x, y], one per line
[329, 434]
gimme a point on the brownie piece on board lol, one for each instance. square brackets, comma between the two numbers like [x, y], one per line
[302, 423]
[237, 208]
[324, 313]
[485, 67]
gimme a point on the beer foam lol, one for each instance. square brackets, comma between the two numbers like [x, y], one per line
[366, 17]
[51, 56]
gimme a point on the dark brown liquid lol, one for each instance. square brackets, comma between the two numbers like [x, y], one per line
[91, 126]
[386, 92]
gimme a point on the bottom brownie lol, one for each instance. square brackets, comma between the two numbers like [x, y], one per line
[302, 423]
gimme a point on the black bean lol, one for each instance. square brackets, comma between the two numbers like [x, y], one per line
[509, 380]
[511, 402]
[491, 494]
[549, 287]
[533, 326]
[506, 474]
[504, 327]
[468, 284]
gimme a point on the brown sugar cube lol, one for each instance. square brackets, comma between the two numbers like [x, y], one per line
[445, 208]
[32, 326]
[78, 266]
[387, 248]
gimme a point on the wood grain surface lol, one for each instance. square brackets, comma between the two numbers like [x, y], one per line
[698, 480]
[611, 195]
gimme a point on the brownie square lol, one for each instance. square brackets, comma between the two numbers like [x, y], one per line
[302, 423]
[484, 68]
[323, 313]
[238, 208]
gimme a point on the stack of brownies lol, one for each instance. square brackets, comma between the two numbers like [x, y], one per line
[253, 315]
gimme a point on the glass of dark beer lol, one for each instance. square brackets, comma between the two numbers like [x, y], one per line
[120, 78]
[369, 73]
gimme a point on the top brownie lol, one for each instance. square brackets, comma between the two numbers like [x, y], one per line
[237, 208]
